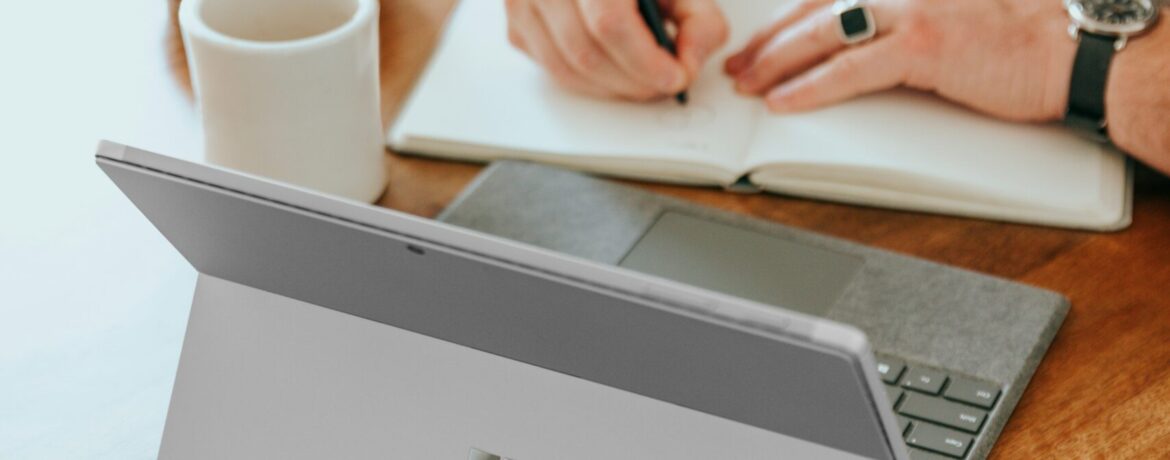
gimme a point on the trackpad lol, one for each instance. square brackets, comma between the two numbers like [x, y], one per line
[743, 263]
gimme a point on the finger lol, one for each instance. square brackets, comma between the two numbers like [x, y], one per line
[790, 51]
[533, 34]
[867, 68]
[785, 16]
[806, 43]
[515, 16]
[702, 29]
[584, 55]
[619, 29]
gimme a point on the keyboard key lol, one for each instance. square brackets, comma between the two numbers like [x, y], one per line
[938, 439]
[943, 412]
[971, 392]
[919, 454]
[890, 369]
[924, 380]
[895, 394]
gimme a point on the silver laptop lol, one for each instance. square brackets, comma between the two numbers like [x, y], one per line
[326, 328]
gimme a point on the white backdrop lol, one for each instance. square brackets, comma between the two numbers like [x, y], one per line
[93, 302]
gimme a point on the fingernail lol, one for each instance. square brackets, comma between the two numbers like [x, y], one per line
[779, 100]
[693, 61]
[743, 84]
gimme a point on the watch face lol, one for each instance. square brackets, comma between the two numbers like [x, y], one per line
[1116, 17]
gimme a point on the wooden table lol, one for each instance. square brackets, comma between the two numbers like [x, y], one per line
[1103, 391]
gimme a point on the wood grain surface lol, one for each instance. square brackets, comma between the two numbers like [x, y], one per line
[1103, 391]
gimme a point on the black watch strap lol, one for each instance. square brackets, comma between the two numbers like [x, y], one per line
[1086, 90]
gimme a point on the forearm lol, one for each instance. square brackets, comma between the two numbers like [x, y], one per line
[1137, 99]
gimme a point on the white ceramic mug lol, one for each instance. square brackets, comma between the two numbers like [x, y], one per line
[288, 89]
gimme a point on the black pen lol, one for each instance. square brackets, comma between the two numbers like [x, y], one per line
[653, 17]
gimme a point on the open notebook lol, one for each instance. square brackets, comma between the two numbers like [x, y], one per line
[481, 100]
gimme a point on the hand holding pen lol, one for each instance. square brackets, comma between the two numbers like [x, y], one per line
[609, 48]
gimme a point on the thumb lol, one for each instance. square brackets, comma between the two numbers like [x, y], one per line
[702, 29]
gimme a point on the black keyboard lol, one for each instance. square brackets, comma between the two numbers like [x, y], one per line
[941, 414]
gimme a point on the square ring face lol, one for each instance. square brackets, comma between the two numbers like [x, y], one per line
[856, 24]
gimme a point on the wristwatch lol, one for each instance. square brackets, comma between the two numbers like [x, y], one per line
[1102, 27]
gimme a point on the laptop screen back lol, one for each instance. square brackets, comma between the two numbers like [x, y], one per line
[420, 284]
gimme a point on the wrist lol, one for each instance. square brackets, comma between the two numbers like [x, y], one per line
[1136, 101]
[1045, 24]
[1059, 64]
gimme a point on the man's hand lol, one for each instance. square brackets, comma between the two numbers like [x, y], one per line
[604, 48]
[1137, 96]
[1008, 58]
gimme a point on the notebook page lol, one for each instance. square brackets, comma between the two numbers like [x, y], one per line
[914, 143]
[479, 91]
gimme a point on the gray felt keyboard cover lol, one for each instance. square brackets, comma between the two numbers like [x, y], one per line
[967, 323]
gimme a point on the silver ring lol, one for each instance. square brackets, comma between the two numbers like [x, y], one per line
[855, 22]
